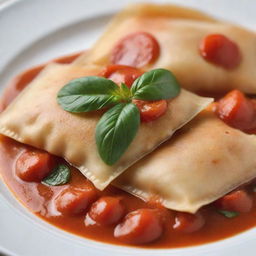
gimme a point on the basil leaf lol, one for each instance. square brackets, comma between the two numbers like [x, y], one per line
[87, 94]
[59, 176]
[116, 130]
[228, 214]
[157, 84]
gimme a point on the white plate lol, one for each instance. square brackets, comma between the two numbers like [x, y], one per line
[34, 31]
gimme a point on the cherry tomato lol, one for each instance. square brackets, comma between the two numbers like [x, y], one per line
[75, 201]
[151, 110]
[121, 74]
[34, 165]
[220, 50]
[237, 111]
[136, 50]
[140, 226]
[187, 222]
[107, 210]
[238, 201]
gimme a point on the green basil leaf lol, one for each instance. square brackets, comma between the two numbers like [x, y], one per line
[87, 94]
[157, 84]
[116, 130]
[59, 176]
[228, 214]
[125, 92]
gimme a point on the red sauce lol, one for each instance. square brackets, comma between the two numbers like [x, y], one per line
[40, 199]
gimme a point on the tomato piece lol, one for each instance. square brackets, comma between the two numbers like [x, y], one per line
[238, 201]
[75, 201]
[220, 50]
[237, 111]
[121, 74]
[140, 226]
[136, 50]
[34, 165]
[151, 110]
[107, 210]
[187, 222]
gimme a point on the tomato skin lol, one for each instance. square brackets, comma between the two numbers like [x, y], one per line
[75, 201]
[140, 227]
[220, 50]
[187, 222]
[137, 50]
[151, 110]
[121, 74]
[238, 201]
[237, 111]
[107, 210]
[34, 165]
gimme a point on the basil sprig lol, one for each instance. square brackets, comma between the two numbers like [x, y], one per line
[119, 125]
[59, 176]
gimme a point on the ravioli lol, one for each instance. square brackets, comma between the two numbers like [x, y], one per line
[35, 118]
[205, 160]
[179, 32]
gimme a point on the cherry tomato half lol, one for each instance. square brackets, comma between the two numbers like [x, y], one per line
[75, 201]
[136, 50]
[220, 50]
[121, 74]
[187, 222]
[238, 201]
[237, 111]
[107, 210]
[151, 110]
[140, 226]
[34, 165]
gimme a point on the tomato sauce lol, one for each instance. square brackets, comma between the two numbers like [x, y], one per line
[40, 199]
